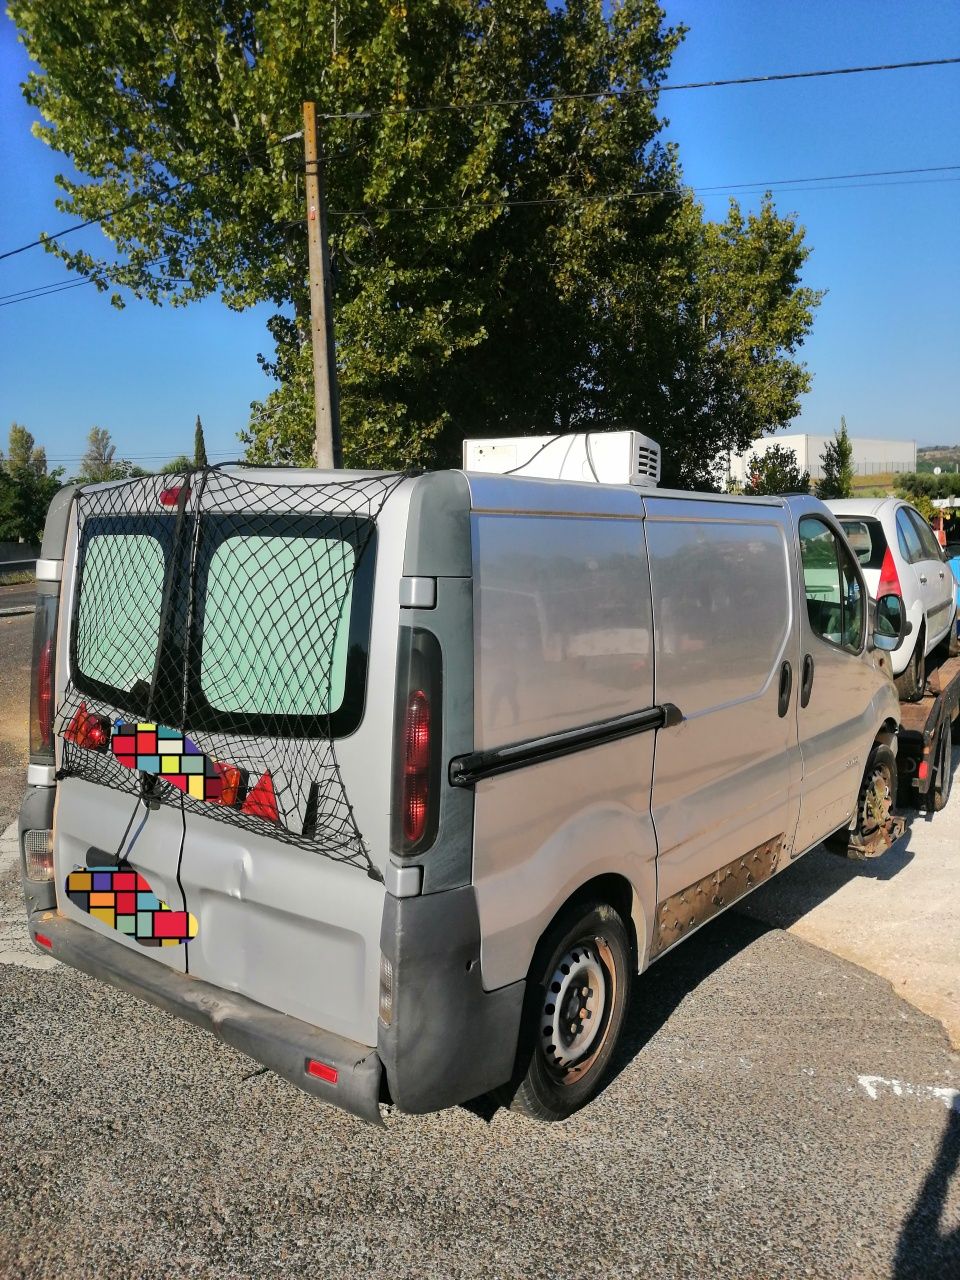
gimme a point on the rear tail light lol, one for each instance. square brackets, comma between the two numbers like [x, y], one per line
[38, 854]
[415, 751]
[88, 730]
[416, 793]
[889, 578]
[42, 690]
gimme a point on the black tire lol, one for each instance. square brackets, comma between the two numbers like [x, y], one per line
[553, 1080]
[911, 682]
[939, 792]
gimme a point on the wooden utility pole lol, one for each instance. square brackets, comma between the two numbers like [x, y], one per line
[327, 451]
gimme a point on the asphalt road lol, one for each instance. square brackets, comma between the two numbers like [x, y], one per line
[777, 1112]
[20, 596]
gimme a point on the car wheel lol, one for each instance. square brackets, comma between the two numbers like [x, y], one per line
[870, 835]
[577, 996]
[911, 682]
[939, 792]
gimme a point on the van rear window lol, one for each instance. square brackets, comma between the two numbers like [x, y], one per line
[275, 625]
[867, 539]
[278, 624]
[118, 621]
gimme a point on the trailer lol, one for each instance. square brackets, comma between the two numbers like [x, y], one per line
[928, 730]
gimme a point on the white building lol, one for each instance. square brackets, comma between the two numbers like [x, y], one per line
[870, 456]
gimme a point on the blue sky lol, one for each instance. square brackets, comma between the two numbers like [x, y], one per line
[885, 349]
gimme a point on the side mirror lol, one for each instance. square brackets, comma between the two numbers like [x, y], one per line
[889, 623]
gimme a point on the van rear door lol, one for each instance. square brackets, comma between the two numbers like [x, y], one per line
[237, 623]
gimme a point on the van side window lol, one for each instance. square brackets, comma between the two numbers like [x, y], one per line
[835, 603]
[908, 538]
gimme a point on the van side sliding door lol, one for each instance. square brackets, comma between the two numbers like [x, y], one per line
[726, 778]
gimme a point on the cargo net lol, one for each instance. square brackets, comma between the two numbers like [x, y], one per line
[219, 647]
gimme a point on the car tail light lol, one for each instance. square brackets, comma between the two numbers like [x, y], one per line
[88, 730]
[38, 855]
[889, 578]
[417, 743]
[415, 750]
[42, 690]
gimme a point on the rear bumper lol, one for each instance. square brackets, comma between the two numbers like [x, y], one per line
[282, 1043]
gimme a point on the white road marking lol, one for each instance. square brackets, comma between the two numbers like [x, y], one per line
[15, 945]
[875, 1085]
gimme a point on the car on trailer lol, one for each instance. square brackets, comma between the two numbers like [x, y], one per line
[900, 555]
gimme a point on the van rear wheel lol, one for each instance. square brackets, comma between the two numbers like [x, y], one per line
[577, 996]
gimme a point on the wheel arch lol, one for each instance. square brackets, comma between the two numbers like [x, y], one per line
[616, 891]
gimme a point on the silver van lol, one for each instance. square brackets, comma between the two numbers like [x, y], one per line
[394, 783]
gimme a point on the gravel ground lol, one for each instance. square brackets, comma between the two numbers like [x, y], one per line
[739, 1139]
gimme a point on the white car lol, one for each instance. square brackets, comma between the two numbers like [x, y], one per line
[900, 555]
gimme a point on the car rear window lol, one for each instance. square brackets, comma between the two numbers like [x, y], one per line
[867, 540]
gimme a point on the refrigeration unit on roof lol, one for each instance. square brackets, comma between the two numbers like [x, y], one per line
[602, 457]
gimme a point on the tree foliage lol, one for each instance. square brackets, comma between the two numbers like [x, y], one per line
[100, 462]
[776, 471]
[534, 266]
[26, 488]
[199, 445]
[837, 466]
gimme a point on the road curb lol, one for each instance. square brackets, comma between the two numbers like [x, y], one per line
[16, 610]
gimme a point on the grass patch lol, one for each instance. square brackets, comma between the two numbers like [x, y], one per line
[16, 579]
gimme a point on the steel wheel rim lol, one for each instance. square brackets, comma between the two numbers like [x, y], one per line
[575, 1015]
[877, 802]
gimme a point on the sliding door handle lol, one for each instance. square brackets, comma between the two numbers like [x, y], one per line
[786, 688]
[806, 682]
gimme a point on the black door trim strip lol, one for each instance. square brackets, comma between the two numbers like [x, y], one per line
[472, 768]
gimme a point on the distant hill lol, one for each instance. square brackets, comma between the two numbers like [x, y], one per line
[945, 456]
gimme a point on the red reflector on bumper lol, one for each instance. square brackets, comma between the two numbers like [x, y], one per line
[923, 770]
[322, 1071]
[42, 940]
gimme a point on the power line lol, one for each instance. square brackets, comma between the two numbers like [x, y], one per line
[533, 99]
[845, 181]
[658, 193]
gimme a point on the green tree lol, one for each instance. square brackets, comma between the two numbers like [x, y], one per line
[26, 488]
[100, 462]
[97, 464]
[775, 471]
[532, 266]
[199, 445]
[837, 466]
[177, 465]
